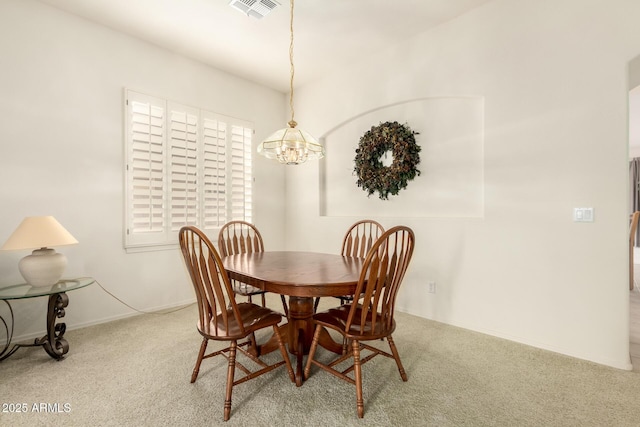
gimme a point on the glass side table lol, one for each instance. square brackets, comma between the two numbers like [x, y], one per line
[53, 342]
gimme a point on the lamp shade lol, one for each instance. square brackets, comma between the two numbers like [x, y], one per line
[291, 146]
[38, 232]
[44, 267]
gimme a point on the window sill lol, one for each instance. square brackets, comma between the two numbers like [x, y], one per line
[150, 248]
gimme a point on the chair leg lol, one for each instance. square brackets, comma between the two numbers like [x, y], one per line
[396, 356]
[312, 351]
[345, 345]
[230, 375]
[264, 301]
[357, 373]
[283, 351]
[315, 305]
[196, 369]
[253, 345]
[284, 306]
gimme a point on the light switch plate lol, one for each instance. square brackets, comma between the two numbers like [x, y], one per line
[583, 214]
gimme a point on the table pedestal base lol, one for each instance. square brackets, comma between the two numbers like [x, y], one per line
[299, 332]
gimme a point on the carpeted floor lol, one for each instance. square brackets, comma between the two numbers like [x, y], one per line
[136, 371]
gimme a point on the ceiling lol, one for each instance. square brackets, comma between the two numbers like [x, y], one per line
[327, 33]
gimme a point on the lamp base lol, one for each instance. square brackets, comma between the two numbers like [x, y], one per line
[44, 267]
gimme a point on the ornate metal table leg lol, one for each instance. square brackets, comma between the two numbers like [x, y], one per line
[53, 342]
[5, 350]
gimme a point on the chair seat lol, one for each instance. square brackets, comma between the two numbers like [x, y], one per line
[253, 317]
[344, 299]
[246, 290]
[336, 319]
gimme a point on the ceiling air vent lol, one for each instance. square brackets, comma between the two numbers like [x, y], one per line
[256, 8]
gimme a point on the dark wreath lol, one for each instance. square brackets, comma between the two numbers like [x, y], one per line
[372, 174]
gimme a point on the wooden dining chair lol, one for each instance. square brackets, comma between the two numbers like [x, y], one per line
[372, 318]
[241, 237]
[221, 318]
[356, 243]
[632, 241]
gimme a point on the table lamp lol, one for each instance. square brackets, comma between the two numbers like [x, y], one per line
[44, 267]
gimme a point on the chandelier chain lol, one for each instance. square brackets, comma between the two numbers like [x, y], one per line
[291, 62]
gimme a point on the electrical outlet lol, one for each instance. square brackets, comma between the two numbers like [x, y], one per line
[432, 287]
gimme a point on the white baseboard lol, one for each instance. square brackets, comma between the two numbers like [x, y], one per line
[33, 336]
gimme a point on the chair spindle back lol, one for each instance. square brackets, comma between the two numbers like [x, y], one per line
[215, 298]
[382, 272]
[360, 237]
[239, 237]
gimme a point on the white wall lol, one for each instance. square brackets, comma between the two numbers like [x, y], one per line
[634, 122]
[634, 107]
[553, 74]
[61, 153]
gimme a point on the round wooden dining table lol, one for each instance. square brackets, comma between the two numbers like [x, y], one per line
[302, 276]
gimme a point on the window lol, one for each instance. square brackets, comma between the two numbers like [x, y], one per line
[184, 166]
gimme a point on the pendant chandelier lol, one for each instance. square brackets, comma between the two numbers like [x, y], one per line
[291, 145]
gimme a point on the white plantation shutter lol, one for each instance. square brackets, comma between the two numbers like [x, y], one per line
[146, 214]
[241, 172]
[184, 166]
[214, 176]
